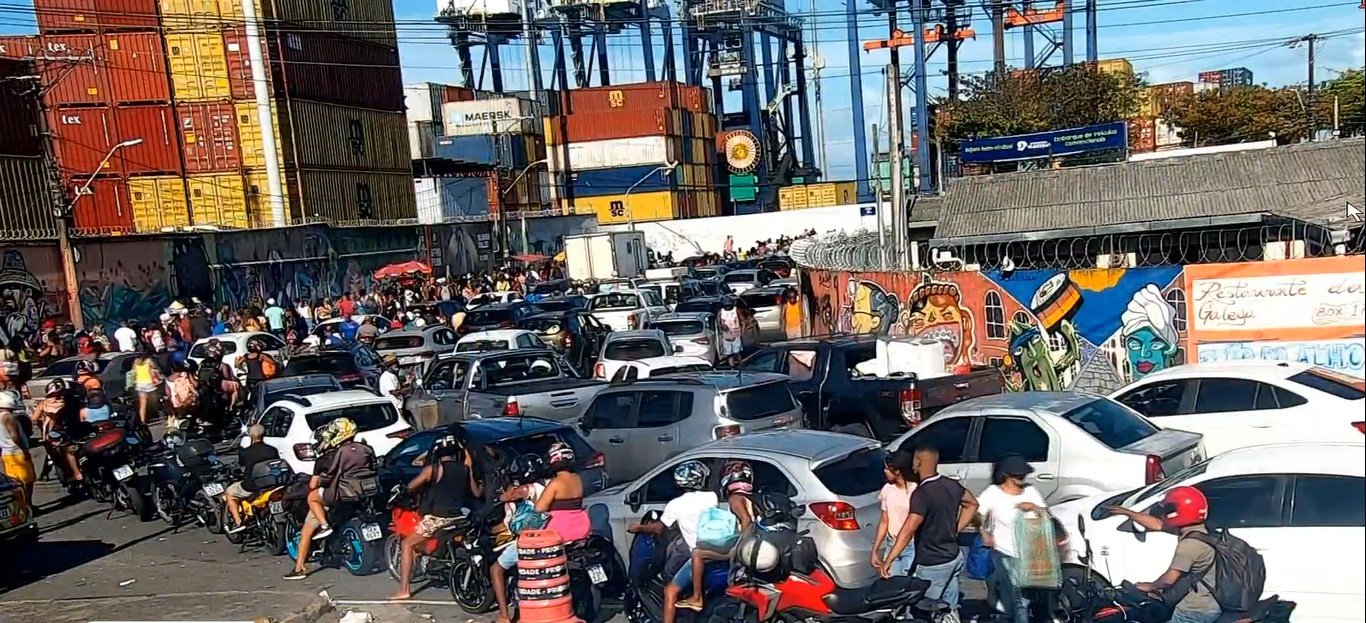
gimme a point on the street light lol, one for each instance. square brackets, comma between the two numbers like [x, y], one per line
[64, 239]
[80, 191]
[526, 245]
[626, 198]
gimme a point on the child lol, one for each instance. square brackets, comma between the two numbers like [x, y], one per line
[895, 498]
[737, 484]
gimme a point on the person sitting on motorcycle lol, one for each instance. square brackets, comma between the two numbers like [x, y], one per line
[16, 461]
[247, 458]
[54, 416]
[562, 499]
[183, 390]
[1183, 512]
[85, 376]
[447, 481]
[256, 365]
[96, 407]
[737, 485]
[682, 512]
[340, 456]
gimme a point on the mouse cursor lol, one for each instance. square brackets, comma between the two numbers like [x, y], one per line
[1353, 212]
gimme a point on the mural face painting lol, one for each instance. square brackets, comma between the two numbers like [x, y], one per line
[936, 311]
[24, 301]
[1149, 332]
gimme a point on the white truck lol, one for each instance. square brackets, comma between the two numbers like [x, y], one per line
[606, 255]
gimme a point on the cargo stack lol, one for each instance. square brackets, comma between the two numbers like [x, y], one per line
[423, 102]
[25, 203]
[619, 137]
[823, 195]
[502, 134]
[1148, 132]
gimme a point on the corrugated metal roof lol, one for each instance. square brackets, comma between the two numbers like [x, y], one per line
[1309, 182]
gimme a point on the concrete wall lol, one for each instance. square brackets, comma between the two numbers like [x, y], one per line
[690, 237]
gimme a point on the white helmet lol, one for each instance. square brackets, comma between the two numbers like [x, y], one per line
[9, 400]
[270, 301]
[758, 554]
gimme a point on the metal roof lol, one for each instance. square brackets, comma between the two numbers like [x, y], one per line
[1309, 182]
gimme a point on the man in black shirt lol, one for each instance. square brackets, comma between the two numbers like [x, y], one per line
[247, 458]
[940, 509]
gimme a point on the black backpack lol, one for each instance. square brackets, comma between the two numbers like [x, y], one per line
[1239, 571]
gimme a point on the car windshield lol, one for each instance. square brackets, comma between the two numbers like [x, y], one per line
[1111, 423]
[337, 363]
[1332, 383]
[745, 277]
[491, 316]
[674, 328]
[859, 473]
[399, 342]
[367, 417]
[696, 306]
[762, 299]
[694, 367]
[480, 345]
[614, 301]
[759, 401]
[516, 369]
[544, 326]
[201, 350]
[67, 367]
[631, 350]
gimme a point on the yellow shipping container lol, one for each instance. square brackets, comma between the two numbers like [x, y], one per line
[198, 65]
[639, 207]
[342, 196]
[1149, 102]
[256, 191]
[249, 135]
[202, 14]
[352, 139]
[218, 199]
[1115, 66]
[792, 197]
[158, 203]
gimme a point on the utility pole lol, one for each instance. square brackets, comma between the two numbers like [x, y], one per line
[1311, 111]
[998, 37]
[896, 148]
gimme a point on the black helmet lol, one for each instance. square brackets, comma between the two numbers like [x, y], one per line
[86, 366]
[254, 346]
[528, 468]
[445, 446]
[56, 387]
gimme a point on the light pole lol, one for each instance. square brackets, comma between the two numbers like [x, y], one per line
[626, 198]
[73, 292]
[90, 180]
[526, 245]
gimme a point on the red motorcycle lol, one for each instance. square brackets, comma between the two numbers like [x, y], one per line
[452, 556]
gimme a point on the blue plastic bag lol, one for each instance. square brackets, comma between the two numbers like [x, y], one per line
[525, 517]
[717, 529]
[979, 565]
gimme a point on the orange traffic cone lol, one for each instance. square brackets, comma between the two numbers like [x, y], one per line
[543, 579]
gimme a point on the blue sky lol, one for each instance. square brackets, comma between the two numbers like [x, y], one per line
[1168, 39]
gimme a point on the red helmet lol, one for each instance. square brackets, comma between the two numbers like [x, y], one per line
[1183, 507]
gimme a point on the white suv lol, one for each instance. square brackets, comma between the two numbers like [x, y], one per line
[291, 420]
[1235, 405]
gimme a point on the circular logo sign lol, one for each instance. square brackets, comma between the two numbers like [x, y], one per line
[742, 151]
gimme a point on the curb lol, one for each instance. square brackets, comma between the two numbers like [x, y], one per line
[316, 609]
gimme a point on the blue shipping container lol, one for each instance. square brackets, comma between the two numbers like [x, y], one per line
[641, 179]
[452, 199]
[511, 151]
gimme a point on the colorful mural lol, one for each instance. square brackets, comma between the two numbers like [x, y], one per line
[127, 279]
[30, 289]
[1086, 329]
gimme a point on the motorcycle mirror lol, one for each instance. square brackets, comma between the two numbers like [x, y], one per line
[1081, 525]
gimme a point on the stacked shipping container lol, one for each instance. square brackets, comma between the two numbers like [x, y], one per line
[619, 138]
[25, 205]
[823, 195]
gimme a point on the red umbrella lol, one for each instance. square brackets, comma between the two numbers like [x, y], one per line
[393, 271]
[530, 257]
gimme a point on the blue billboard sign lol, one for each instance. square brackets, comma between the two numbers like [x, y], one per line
[1046, 144]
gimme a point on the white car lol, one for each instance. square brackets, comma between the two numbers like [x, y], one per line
[627, 310]
[382, 323]
[1302, 506]
[1235, 405]
[692, 334]
[234, 345]
[1079, 444]
[659, 366]
[500, 339]
[291, 421]
[490, 298]
[622, 347]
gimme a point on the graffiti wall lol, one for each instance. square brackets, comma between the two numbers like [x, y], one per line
[458, 249]
[31, 289]
[1082, 329]
[125, 279]
[545, 236]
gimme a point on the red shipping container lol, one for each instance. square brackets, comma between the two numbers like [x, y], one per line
[208, 131]
[103, 208]
[652, 95]
[239, 63]
[19, 135]
[81, 139]
[19, 46]
[91, 15]
[137, 68]
[81, 77]
[334, 70]
[451, 93]
[159, 151]
[623, 123]
[1142, 134]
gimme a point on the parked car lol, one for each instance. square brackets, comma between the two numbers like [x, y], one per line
[1079, 444]
[508, 438]
[767, 304]
[272, 390]
[692, 334]
[833, 478]
[836, 396]
[339, 364]
[383, 323]
[492, 298]
[642, 423]
[714, 271]
[697, 288]
[576, 335]
[18, 523]
[496, 316]
[627, 309]
[291, 421]
[417, 346]
[1302, 506]
[524, 382]
[620, 347]
[749, 337]
[651, 367]
[668, 291]
[741, 280]
[113, 373]
[234, 345]
[548, 289]
[781, 266]
[501, 339]
[1235, 405]
[572, 302]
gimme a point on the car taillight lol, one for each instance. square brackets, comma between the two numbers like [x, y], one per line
[632, 322]
[910, 406]
[836, 515]
[597, 460]
[512, 408]
[348, 378]
[729, 430]
[701, 340]
[400, 434]
[1360, 426]
[600, 371]
[569, 340]
[1152, 469]
[304, 451]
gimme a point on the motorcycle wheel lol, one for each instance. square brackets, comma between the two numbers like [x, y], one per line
[135, 501]
[469, 588]
[236, 538]
[208, 514]
[393, 551]
[273, 533]
[358, 556]
[164, 502]
[587, 597]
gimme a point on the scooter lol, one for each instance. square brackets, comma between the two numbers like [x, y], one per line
[453, 556]
[264, 514]
[357, 540]
[644, 599]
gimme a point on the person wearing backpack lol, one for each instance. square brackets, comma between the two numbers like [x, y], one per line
[683, 513]
[344, 472]
[1210, 574]
[719, 528]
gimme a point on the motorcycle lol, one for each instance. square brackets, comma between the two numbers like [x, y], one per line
[187, 481]
[113, 461]
[357, 540]
[444, 557]
[264, 514]
[644, 599]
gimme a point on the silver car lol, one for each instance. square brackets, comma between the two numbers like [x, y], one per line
[741, 280]
[693, 334]
[415, 347]
[768, 303]
[639, 424]
[834, 479]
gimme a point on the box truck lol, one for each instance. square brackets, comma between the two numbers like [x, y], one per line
[606, 255]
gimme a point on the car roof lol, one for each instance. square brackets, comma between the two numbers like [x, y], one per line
[683, 316]
[501, 305]
[669, 361]
[636, 334]
[412, 332]
[1041, 402]
[816, 446]
[554, 315]
[332, 400]
[326, 353]
[722, 380]
[1296, 458]
[303, 380]
[495, 334]
[486, 430]
[1261, 369]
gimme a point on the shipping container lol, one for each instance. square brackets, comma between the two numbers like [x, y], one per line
[343, 196]
[202, 14]
[829, 194]
[504, 115]
[84, 137]
[639, 96]
[55, 16]
[638, 207]
[342, 137]
[455, 199]
[792, 198]
[218, 199]
[623, 152]
[1173, 89]
[485, 7]
[155, 125]
[82, 78]
[158, 203]
[81, 137]
[199, 66]
[19, 47]
[208, 130]
[1142, 135]
[423, 101]
[325, 68]
[102, 208]
[238, 60]
[368, 20]
[1115, 66]
[19, 122]
[1167, 135]
[256, 184]
[421, 139]
[137, 68]
[25, 202]
[623, 123]
[253, 148]
[600, 182]
[505, 151]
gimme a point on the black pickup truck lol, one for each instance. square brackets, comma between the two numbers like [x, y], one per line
[835, 396]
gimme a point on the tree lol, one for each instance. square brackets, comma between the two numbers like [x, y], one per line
[1240, 115]
[1026, 101]
[1349, 89]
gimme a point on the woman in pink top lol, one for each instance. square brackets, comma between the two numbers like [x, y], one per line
[895, 498]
